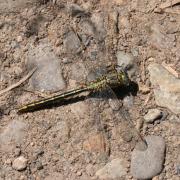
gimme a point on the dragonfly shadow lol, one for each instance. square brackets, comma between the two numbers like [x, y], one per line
[123, 91]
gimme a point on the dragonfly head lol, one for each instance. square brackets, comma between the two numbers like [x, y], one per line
[123, 77]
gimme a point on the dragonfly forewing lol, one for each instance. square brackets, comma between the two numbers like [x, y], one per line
[122, 119]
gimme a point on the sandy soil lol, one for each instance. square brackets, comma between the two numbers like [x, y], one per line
[72, 141]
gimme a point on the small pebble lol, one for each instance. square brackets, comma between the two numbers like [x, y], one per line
[19, 39]
[79, 173]
[152, 115]
[145, 164]
[20, 163]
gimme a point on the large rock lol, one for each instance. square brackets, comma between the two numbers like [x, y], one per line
[148, 163]
[48, 76]
[166, 87]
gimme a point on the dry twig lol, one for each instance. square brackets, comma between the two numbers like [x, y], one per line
[18, 83]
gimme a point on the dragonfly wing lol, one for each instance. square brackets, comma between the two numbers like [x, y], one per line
[122, 120]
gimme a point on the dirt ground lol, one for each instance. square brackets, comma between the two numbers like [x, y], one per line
[64, 142]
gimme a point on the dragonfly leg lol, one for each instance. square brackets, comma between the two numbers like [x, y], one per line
[111, 67]
[82, 84]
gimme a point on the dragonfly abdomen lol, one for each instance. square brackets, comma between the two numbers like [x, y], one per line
[49, 100]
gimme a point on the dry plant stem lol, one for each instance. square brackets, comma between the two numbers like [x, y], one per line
[19, 82]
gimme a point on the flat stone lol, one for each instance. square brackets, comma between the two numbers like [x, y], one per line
[48, 76]
[13, 134]
[166, 87]
[20, 163]
[115, 169]
[148, 163]
[152, 115]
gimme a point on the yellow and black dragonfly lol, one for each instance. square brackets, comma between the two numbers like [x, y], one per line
[115, 77]
[111, 79]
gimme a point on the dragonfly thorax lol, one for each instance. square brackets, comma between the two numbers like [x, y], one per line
[113, 79]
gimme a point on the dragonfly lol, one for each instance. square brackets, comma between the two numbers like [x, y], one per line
[113, 78]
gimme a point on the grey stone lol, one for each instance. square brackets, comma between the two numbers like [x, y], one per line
[20, 163]
[13, 134]
[94, 26]
[75, 10]
[124, 59]
[166, 87]
[152, 115]
[98, 26]
[48, 76]
[72, 43]
[112, 170]
[146, 164]
[127, 61]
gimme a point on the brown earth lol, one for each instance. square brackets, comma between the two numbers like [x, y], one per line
[64, 142]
